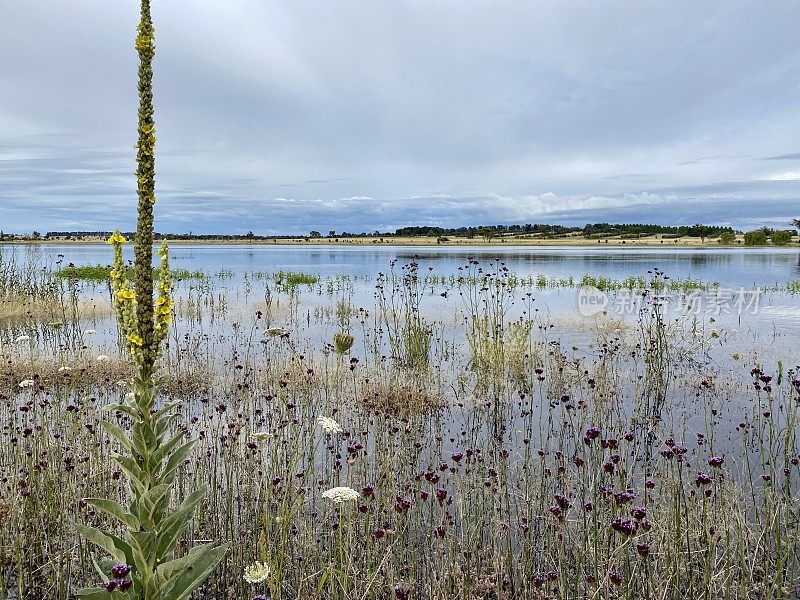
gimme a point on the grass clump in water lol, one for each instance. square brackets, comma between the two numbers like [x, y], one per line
[289, 280]
[102, 273]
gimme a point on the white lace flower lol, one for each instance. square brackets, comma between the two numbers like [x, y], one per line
[103, 358]
[256, 573]
[338, 495]
[329, 425]
[26, 383]
[64, 369]
[90, 332]
[22, 338]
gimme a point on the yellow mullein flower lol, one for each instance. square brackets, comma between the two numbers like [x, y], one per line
[116, 238]
[135, 339]
[126, 294]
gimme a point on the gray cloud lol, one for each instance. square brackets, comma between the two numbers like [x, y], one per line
[284, 117]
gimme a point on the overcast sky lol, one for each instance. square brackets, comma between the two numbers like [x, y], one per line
[282, 117]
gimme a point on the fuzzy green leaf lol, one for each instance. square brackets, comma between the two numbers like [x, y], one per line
[116, 510]
[133, 471]
[105, 541]
[177, 458]
[166, 447]
[167, 407]
[196, 572]
[123, 408]
[117, 433]
[176, 523]
[151, 504]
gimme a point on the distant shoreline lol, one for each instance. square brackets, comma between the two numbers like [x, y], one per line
[656, 241]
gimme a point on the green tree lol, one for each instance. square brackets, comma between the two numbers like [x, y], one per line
[142, 562]
[782, 238]
[727, 238]
[487, 233]
[755, 238]
[315, 234]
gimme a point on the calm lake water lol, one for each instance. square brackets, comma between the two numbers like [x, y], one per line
[731, 267]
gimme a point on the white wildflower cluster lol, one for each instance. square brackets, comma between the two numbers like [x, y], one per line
[26, 383]
[22, 338]
[256, 573]
[338, 495]
[103, 358]
[277, 331]
[329, 425]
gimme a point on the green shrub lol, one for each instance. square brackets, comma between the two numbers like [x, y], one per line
[782, 238]
[755, 238]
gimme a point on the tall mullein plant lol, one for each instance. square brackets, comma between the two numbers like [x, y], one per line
[141, 561]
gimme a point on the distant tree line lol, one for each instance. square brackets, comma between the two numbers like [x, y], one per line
[589, 230]
[725, 235]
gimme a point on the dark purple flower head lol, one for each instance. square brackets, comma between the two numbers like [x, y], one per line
[624, 525]
[716, 461]
[615, 577]
[624, 497]
[702, 479]
[120, 570]
[562, 500]
[643, 549]
[639, 512]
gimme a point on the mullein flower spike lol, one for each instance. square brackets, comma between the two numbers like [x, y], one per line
[146, 556]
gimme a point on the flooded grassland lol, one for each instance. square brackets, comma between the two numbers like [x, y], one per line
[548, 423]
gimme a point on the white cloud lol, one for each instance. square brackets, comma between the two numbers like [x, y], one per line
[374, 115]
